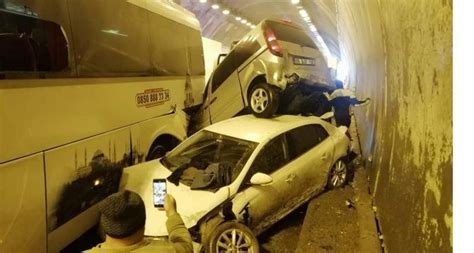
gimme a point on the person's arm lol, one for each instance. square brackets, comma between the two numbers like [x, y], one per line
[179, 235]
[357, 102]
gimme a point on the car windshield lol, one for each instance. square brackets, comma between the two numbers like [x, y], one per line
[208, 160]
[291, 34]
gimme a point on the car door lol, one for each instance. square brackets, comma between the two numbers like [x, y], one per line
[267, 203]
[310, 151]
[225, 98]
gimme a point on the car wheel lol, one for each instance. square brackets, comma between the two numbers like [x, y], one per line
[338, 175]
[263, 100]
[232, 236]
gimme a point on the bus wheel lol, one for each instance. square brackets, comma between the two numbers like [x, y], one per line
[156, 152]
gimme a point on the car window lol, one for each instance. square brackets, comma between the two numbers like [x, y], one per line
[321, 133]
[304, 138]
[223, 70]
[272, 157]
[244, 50]
[291, 34]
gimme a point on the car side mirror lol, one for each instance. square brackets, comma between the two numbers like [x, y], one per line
[327, 115]
[221, 56]
[261, 179]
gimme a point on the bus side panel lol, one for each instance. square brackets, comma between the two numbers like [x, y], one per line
[79, 176]
[53, 112]
[22, 212]
[145, 133]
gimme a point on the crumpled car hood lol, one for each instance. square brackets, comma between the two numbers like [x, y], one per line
[191, 204]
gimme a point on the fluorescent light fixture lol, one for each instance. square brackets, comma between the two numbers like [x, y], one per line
[238, 18]
[295, 1]
[303, 13]
[312, 28]
[226, 12]
[243, 21]
[202, 1]
[252, 26]
[248, 24]
[215, 6]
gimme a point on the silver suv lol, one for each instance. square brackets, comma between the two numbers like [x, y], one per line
[259, 68]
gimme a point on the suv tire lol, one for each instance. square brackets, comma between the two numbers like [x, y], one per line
[263, 100]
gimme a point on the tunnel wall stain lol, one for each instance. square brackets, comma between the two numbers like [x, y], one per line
[400, 54]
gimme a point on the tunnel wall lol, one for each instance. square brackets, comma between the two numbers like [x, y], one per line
[400, 55]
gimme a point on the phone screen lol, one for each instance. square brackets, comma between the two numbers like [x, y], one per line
[159, 192]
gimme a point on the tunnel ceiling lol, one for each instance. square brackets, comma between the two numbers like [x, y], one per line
[224, 28]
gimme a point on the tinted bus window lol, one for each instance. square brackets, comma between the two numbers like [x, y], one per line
[195, 52]
[111, 38]
[168, 46]
[30, 46]
[291, 34]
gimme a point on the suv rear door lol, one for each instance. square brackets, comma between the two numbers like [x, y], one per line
[226, 97]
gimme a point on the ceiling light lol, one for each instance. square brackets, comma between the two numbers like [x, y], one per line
[248, 24]
[238, 18]
[215, 6]
[303, 13]
[295, 1]
[312, 28]
[243, 21]
[226, 12]
[202, 1]
[253, 26]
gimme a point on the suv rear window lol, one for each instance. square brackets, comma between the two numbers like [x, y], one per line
[291, 34]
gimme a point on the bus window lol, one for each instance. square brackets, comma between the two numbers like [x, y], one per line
[30, 46]
[111, 38]
[168, 53]
[195, 52]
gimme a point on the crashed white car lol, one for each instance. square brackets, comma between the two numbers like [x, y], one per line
[234, 179]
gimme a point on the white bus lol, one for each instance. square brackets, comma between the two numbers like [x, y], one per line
[86, 88]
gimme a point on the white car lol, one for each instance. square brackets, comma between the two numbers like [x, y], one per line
[234, 179]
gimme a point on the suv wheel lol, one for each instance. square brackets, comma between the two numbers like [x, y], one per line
[232, 236]
[263, 100]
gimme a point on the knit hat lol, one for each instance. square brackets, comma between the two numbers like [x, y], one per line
[122, 214]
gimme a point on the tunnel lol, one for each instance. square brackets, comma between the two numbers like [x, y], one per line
[398, 53]
[92, 95]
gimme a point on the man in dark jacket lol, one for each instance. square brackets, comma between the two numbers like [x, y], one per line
[341, 100]
[123, 220]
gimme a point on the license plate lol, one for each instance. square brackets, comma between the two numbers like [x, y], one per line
[303, 61]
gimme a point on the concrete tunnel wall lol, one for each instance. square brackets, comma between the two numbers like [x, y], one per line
[400, 55]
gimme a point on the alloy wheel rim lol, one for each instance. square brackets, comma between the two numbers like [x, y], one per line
[234, 241]
[259, 100]
[339, 174]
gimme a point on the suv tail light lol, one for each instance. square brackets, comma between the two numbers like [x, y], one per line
[272, 43]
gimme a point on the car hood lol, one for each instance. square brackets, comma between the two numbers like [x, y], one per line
[191, 204]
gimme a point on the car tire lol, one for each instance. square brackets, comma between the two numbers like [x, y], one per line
[232, 236]
[263, 100]
[338, 175]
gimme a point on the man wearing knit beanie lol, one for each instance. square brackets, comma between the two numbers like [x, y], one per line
[122, 217]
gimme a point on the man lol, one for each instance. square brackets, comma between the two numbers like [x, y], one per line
[341, 100]
[123, 221]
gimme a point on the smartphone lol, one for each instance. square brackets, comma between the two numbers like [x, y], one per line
[159, 192]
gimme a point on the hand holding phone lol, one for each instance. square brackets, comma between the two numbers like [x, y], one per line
[170, 205]
[159, 192]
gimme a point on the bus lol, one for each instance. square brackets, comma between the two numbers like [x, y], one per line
[86, 89]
